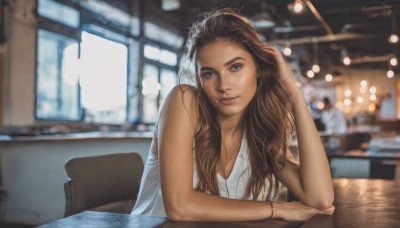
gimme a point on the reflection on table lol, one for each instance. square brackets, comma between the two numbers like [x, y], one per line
[358, 202]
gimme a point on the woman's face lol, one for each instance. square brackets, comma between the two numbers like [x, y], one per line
[228, 76]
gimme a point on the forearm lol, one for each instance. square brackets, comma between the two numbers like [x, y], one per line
[199, 206]
[314, 167]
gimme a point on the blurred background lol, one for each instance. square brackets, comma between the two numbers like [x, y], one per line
[88, 77]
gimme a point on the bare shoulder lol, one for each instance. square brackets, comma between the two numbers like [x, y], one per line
[181, 104]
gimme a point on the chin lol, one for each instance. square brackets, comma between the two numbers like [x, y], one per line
[229, 111]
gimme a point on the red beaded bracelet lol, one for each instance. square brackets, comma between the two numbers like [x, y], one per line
[272, 210]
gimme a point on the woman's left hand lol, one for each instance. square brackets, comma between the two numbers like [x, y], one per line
[284, 71]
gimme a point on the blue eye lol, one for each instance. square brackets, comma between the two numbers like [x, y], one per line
[207, 74]
[236, 67]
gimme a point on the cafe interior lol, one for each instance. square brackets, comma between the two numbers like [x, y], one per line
[82, 83]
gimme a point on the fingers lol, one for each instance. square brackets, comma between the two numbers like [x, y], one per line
[328, 210]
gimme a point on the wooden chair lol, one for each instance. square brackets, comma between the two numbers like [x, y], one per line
[103, 183]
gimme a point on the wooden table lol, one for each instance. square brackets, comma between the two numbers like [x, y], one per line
[359, 203]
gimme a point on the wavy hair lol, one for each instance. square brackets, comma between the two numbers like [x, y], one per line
[267, 122]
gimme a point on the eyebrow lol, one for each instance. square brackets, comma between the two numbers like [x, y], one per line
[225, 64]
[233, 60]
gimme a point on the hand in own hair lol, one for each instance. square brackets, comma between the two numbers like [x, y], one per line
[297, 211]
[284, 70]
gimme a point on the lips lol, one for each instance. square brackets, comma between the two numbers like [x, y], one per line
[228, 100]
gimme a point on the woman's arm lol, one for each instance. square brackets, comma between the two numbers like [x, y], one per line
[176, 131]
[311, 181]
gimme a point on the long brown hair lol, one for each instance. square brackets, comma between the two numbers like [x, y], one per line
[267, 121]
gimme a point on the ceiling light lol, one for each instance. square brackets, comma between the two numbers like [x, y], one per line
[316, 68]
[394, 38]
[328, 77]
[372, 97]
[360, 100]
[298, 6]
[390, 74]
[310, 74]
[170, 5]
[363, 83]
[347, 93]
[347, 102]
[287, 51]
[372, 90]
[346, 61]
[263, 20]
[393, 61]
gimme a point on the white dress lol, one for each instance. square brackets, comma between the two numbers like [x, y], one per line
[150, 200]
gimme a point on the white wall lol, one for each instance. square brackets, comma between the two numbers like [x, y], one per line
[33, 173]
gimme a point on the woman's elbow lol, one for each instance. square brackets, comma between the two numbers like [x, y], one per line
[177, 212]
[325, 202]
[174, 215]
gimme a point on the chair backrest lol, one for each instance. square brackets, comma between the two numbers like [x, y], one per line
[103, 183]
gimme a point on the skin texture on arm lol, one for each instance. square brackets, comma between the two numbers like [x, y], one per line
[311, 181]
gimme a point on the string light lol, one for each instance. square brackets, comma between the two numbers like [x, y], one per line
[347, 93]
[390, 74]
[372, 97]
[372, 90]
[363, 83]
[298, 6]
[316, 68]
[287, 51]
[310, 74]
[346, 60]
[347, 102]
[393, 61]
[328, 77]
[394, 38]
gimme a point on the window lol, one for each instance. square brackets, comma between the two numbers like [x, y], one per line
[97, 79]
[113, 15]
[150, 89]
[168, 81]
[87, 80]
[161, 55]
[57, 91]
[155, 32]
[59, 12]
[159, 77]
[103, 79]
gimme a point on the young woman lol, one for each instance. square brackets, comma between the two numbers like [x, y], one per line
[219, 151]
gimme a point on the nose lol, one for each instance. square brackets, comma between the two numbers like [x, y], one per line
[224, 82]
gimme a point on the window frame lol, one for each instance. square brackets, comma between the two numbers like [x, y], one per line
[160, 66]
[49, 25]
[86, 18]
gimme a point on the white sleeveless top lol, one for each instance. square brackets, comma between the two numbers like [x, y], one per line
[150, 200]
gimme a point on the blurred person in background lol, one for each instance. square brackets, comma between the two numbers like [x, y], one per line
[335, 123]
